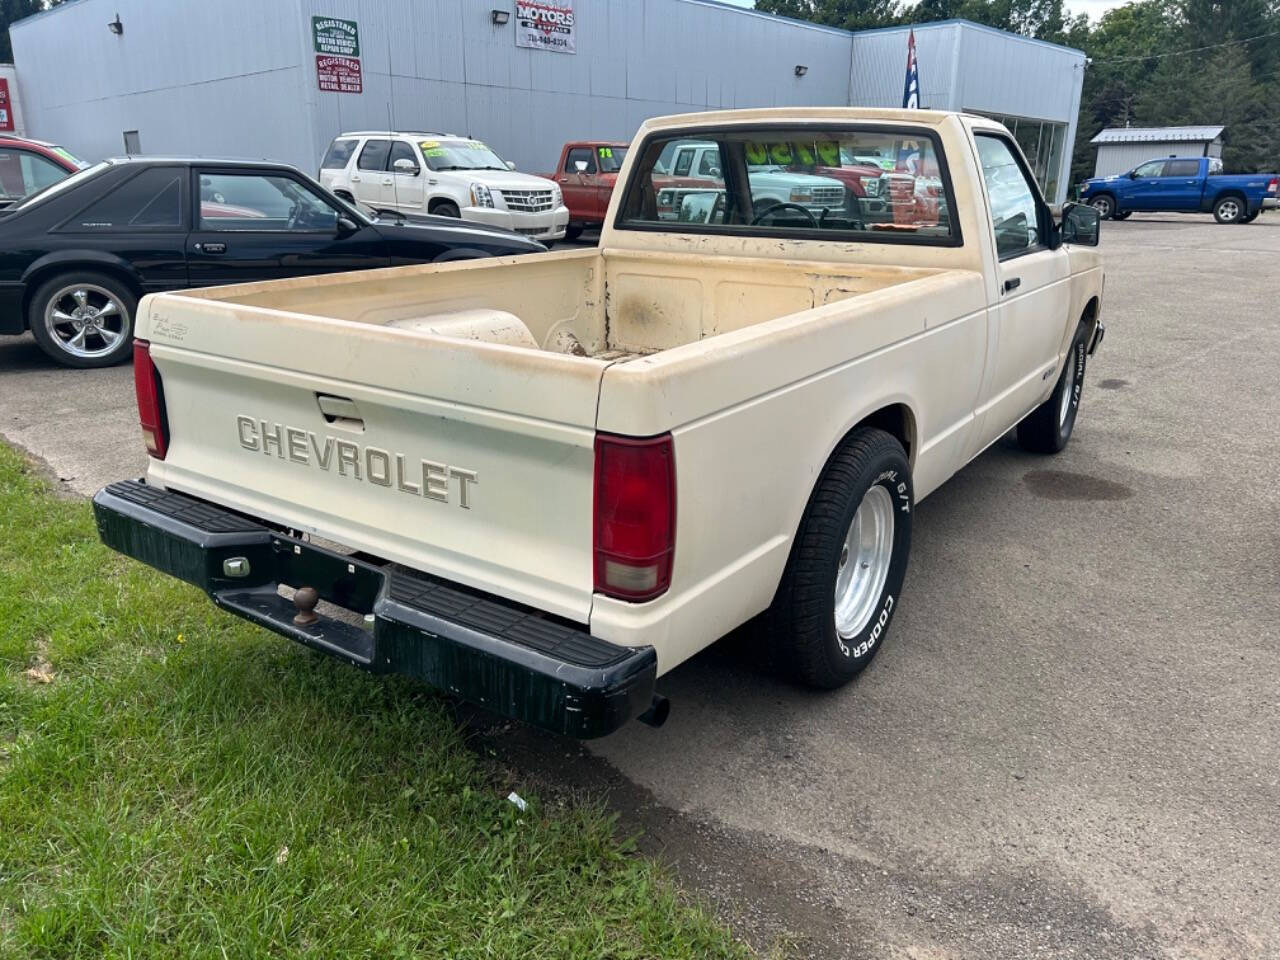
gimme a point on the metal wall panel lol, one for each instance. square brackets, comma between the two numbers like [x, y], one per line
[205, 78]
[237, 77]
[452, 70]
[1116, 158]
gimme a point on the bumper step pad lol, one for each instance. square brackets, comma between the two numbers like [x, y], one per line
[509, 658]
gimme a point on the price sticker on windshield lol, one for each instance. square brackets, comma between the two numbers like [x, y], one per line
[429, 144]
[606, 153]
[828, 152]
[804, 155]
[757, 153]
[780, 153]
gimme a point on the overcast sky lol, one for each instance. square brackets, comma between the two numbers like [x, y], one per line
[1094, 8]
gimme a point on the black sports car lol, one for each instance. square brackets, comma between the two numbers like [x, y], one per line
[76, 257]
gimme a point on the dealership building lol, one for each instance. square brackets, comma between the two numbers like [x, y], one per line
[279, 79]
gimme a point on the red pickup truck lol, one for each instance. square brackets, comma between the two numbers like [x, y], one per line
[586, 173]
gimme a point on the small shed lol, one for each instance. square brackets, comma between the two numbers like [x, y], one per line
[1123, 148]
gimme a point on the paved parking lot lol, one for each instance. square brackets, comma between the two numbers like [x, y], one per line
[1069, 746]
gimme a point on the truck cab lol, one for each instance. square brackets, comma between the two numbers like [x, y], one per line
[587, 173]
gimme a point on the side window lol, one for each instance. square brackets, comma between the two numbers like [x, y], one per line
[684, 162]
[580, 153]
[23, 173]
[402, 151]
[151, 200]
[1215, 166]
[1014, 211]
[709, 164]
[255, 201]
[374, 155]
[339, 152]
[1182, 168]
[1152, 168]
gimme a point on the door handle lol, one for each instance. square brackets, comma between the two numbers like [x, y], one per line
[355, 178]
[339, 410]
[1012, 284]
[386, 181]
[211, 247]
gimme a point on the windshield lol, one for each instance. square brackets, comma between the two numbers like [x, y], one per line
[40, 196]
[460, 155]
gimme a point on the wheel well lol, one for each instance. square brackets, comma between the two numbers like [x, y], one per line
[1230, 194]
[896, 420]
[436, 202]
[39, 277]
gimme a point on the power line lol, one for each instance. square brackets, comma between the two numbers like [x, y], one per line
[1180, 53]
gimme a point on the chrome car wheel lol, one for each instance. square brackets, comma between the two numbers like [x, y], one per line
[864, 562]
[86, 320]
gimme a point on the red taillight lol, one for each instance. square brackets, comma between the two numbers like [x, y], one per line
[146, 383]
[1271, 187]
[635, 516]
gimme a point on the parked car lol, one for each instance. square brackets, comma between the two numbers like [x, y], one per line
[557, 477]
[586, 174]
[30, 165]
[445, 175]
[76, 257]
[1182, 184]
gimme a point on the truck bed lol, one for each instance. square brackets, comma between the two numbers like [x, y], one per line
[444, 416]
[585, 303]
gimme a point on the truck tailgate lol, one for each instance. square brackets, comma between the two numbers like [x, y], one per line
[469, 460]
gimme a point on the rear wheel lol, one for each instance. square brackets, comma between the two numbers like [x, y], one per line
[1229, 210]
[1047, 428]
[83, 319]
[1104, 205]
[843, 579]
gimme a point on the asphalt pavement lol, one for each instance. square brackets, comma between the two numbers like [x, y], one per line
[1067, 747]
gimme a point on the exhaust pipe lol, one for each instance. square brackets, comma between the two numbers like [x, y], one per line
[657, 713]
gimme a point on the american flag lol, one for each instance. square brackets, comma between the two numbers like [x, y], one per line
[911, 89]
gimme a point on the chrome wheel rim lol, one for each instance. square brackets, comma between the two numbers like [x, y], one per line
[1229, 210]
[1103, 206]
[86, 320]
[863, 566]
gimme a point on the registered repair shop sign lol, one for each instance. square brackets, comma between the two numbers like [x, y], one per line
[338, 37]
[545, 25]
[339, 74]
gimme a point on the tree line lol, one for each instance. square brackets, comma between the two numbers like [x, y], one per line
[1154, 63]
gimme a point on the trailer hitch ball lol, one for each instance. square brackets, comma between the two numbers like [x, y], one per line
[658, 711]
[305, 599]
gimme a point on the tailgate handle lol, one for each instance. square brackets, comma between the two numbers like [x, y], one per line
[339, 408]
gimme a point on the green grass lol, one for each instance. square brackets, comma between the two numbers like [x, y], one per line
[177, 783]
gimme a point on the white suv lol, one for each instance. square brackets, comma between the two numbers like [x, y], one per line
[446, 175]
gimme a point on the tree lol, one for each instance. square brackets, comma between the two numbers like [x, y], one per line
[847, 14]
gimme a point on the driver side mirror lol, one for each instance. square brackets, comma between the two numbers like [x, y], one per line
[345, 226]
[1081, 224]
[511, 164]
[1132, 174]
[580, 166]
[405, 165]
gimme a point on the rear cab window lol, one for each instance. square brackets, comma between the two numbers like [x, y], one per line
[803, 182]
[150, 200]
[338, 154]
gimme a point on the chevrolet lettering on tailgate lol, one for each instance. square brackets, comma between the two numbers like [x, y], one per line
[425, 478]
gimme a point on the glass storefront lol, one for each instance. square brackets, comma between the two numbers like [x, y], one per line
[1042, 142]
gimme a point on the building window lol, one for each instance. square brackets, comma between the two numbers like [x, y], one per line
[132, 143]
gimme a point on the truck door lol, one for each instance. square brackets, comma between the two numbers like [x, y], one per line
[1031, 291]
[1142, 191]
[1179, 185]
[579, 187]
[405, 191]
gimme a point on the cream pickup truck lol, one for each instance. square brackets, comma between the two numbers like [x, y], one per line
[541, 482]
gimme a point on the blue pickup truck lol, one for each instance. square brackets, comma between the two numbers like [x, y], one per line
[1182, 184]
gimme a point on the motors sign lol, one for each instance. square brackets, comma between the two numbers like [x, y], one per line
[339, 74]
[338, 37]
[545, 25]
